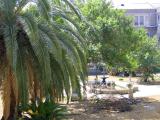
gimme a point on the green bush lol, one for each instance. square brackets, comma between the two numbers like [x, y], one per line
[47, 110]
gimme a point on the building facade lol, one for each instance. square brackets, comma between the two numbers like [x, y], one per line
[145, 14]
[158, 24]
[145, 18]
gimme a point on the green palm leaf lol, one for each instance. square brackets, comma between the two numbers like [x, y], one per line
[44, 49]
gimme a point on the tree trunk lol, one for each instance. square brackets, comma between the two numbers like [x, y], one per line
[12, 106]
[130, 93]
[9, 97]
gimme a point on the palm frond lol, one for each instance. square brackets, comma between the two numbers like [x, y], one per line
[20, 5]
[22, 78]
[43, 52]
[75, 9]
[44, 8]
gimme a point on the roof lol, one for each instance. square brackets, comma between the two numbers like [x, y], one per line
[135, 4]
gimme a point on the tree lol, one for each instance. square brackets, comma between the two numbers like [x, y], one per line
[148, 58]
[42, 52]
[114, 31]
[113, 39]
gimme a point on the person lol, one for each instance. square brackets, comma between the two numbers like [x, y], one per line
[104, 80]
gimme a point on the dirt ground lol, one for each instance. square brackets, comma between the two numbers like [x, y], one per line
[149, 109]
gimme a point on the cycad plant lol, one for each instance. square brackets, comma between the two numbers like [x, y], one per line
[42, 53]
[38, 110]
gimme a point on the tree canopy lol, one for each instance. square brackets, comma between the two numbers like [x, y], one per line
[148, 58]
[119, 42]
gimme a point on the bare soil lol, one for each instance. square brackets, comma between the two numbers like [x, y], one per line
[148, 109]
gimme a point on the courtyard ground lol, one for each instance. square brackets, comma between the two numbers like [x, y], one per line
[149, 109]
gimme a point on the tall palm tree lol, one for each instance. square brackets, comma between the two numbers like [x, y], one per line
[42, 53]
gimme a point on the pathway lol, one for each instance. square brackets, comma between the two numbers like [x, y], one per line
[144, 90]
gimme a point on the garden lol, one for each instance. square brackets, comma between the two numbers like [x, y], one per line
[47, 48]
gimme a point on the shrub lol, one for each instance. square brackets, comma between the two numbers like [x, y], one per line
[47, 110]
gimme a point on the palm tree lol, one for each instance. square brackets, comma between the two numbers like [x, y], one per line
[42, 53]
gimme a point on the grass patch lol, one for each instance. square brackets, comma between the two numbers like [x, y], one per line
[121, 79]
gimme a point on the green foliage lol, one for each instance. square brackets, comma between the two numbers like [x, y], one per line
[43, 50]
[121, 79]
[148, 58]
[94, 52]
[114, 40]
[47, 110]
[113, 31]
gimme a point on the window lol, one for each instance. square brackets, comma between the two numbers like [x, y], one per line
[139, 21]
[136, 21]
[141, 18]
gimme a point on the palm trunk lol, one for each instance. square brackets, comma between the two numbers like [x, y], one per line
[9, 97]
[12, 106]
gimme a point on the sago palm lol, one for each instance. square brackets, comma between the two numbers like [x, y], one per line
[42, 53]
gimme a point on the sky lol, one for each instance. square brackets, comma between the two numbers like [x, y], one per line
[138, 1]
[136, 4]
